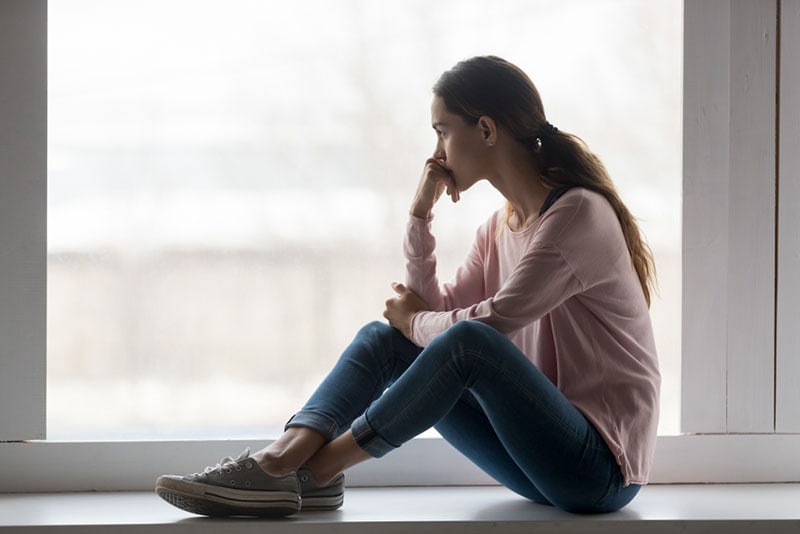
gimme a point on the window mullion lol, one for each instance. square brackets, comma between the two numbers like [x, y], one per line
[787, 417]
[23, 216]
[751, 252]
[729, 213]
[706, 126]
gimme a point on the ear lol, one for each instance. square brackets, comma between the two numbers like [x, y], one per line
[488, 130]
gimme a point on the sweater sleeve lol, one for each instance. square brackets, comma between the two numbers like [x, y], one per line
[466, 287]
[540, 281]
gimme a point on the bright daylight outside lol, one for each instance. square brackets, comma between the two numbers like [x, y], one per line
[229, 184]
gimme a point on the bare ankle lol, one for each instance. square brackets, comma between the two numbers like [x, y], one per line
[335, 457]
[272, 463]
[290, 451]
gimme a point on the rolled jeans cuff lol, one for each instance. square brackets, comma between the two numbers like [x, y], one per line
[368, 439]
[315, 421]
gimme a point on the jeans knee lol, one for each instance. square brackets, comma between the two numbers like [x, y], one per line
[375, 337]
[472, 333]
[376, 330]
[385, 344]
[463, 342]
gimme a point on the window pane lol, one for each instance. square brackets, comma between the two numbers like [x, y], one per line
[229, 183]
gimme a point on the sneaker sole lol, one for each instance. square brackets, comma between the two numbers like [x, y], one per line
[329, 502]
[216, 501]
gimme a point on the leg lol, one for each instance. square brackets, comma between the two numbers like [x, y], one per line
[555, 447]
[291, 450]
[375, 358]
[468, 429]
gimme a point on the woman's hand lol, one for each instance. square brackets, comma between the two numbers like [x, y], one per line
[436, 179]
[401, 309]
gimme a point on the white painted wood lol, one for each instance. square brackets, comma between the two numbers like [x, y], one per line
[23, 216]
[751, 230]
[727, 458]
[705, 215]
[125, 466]
[725, 509]
[788, 328]
[787, 417]
[729, 216]
[134, 466]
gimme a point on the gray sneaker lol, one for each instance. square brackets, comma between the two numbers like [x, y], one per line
[316, 497]
[232, 487]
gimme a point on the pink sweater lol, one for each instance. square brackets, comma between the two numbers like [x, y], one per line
[565, 292]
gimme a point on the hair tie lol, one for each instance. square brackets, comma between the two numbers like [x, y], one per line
[545, 130]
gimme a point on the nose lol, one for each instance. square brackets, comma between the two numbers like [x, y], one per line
[438, 152]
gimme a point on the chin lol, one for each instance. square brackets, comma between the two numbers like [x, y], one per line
[466, 185]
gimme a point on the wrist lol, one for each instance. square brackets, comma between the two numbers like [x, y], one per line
[410, 326]
[421, 212]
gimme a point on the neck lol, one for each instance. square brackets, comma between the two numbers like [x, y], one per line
[518, 179]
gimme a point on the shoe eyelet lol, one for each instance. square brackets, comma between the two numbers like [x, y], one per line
[238, 467]
[233, 482]
[248, 465]
[227, 471]
[304, 478]
[247, 484]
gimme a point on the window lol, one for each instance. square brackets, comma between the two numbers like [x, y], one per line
[717, 35]
[226, 204]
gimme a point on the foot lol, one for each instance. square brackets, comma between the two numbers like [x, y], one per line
[234, 487]
[317, 496]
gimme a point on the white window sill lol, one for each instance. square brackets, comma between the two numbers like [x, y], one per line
[47, 466]
[657, 509]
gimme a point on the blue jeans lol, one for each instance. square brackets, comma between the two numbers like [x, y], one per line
[484, 397]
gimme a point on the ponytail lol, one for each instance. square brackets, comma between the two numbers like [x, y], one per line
[566, 161]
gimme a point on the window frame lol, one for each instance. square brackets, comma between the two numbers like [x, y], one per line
[23, 218]
[732, 376]
[729, 208]
[787, 338]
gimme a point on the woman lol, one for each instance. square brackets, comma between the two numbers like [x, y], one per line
[536, 361]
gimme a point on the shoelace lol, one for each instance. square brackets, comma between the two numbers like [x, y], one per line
[225, 462]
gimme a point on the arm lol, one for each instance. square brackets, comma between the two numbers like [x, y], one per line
[541, 281]
[400, 310]
[466, 287]
[421, 278]
[421, 265]
[423, 292]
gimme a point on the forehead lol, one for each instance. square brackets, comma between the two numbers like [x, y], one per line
[440, 114]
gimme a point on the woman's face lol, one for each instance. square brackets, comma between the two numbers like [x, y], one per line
[460, 147]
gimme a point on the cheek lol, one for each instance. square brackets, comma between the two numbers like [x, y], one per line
[456, 149]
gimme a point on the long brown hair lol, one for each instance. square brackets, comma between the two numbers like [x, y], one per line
[489, 85]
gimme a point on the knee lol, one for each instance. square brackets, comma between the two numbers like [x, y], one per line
[466, 339]
[385, 346]
[472, 333]
[383, 338]
[375, 330]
